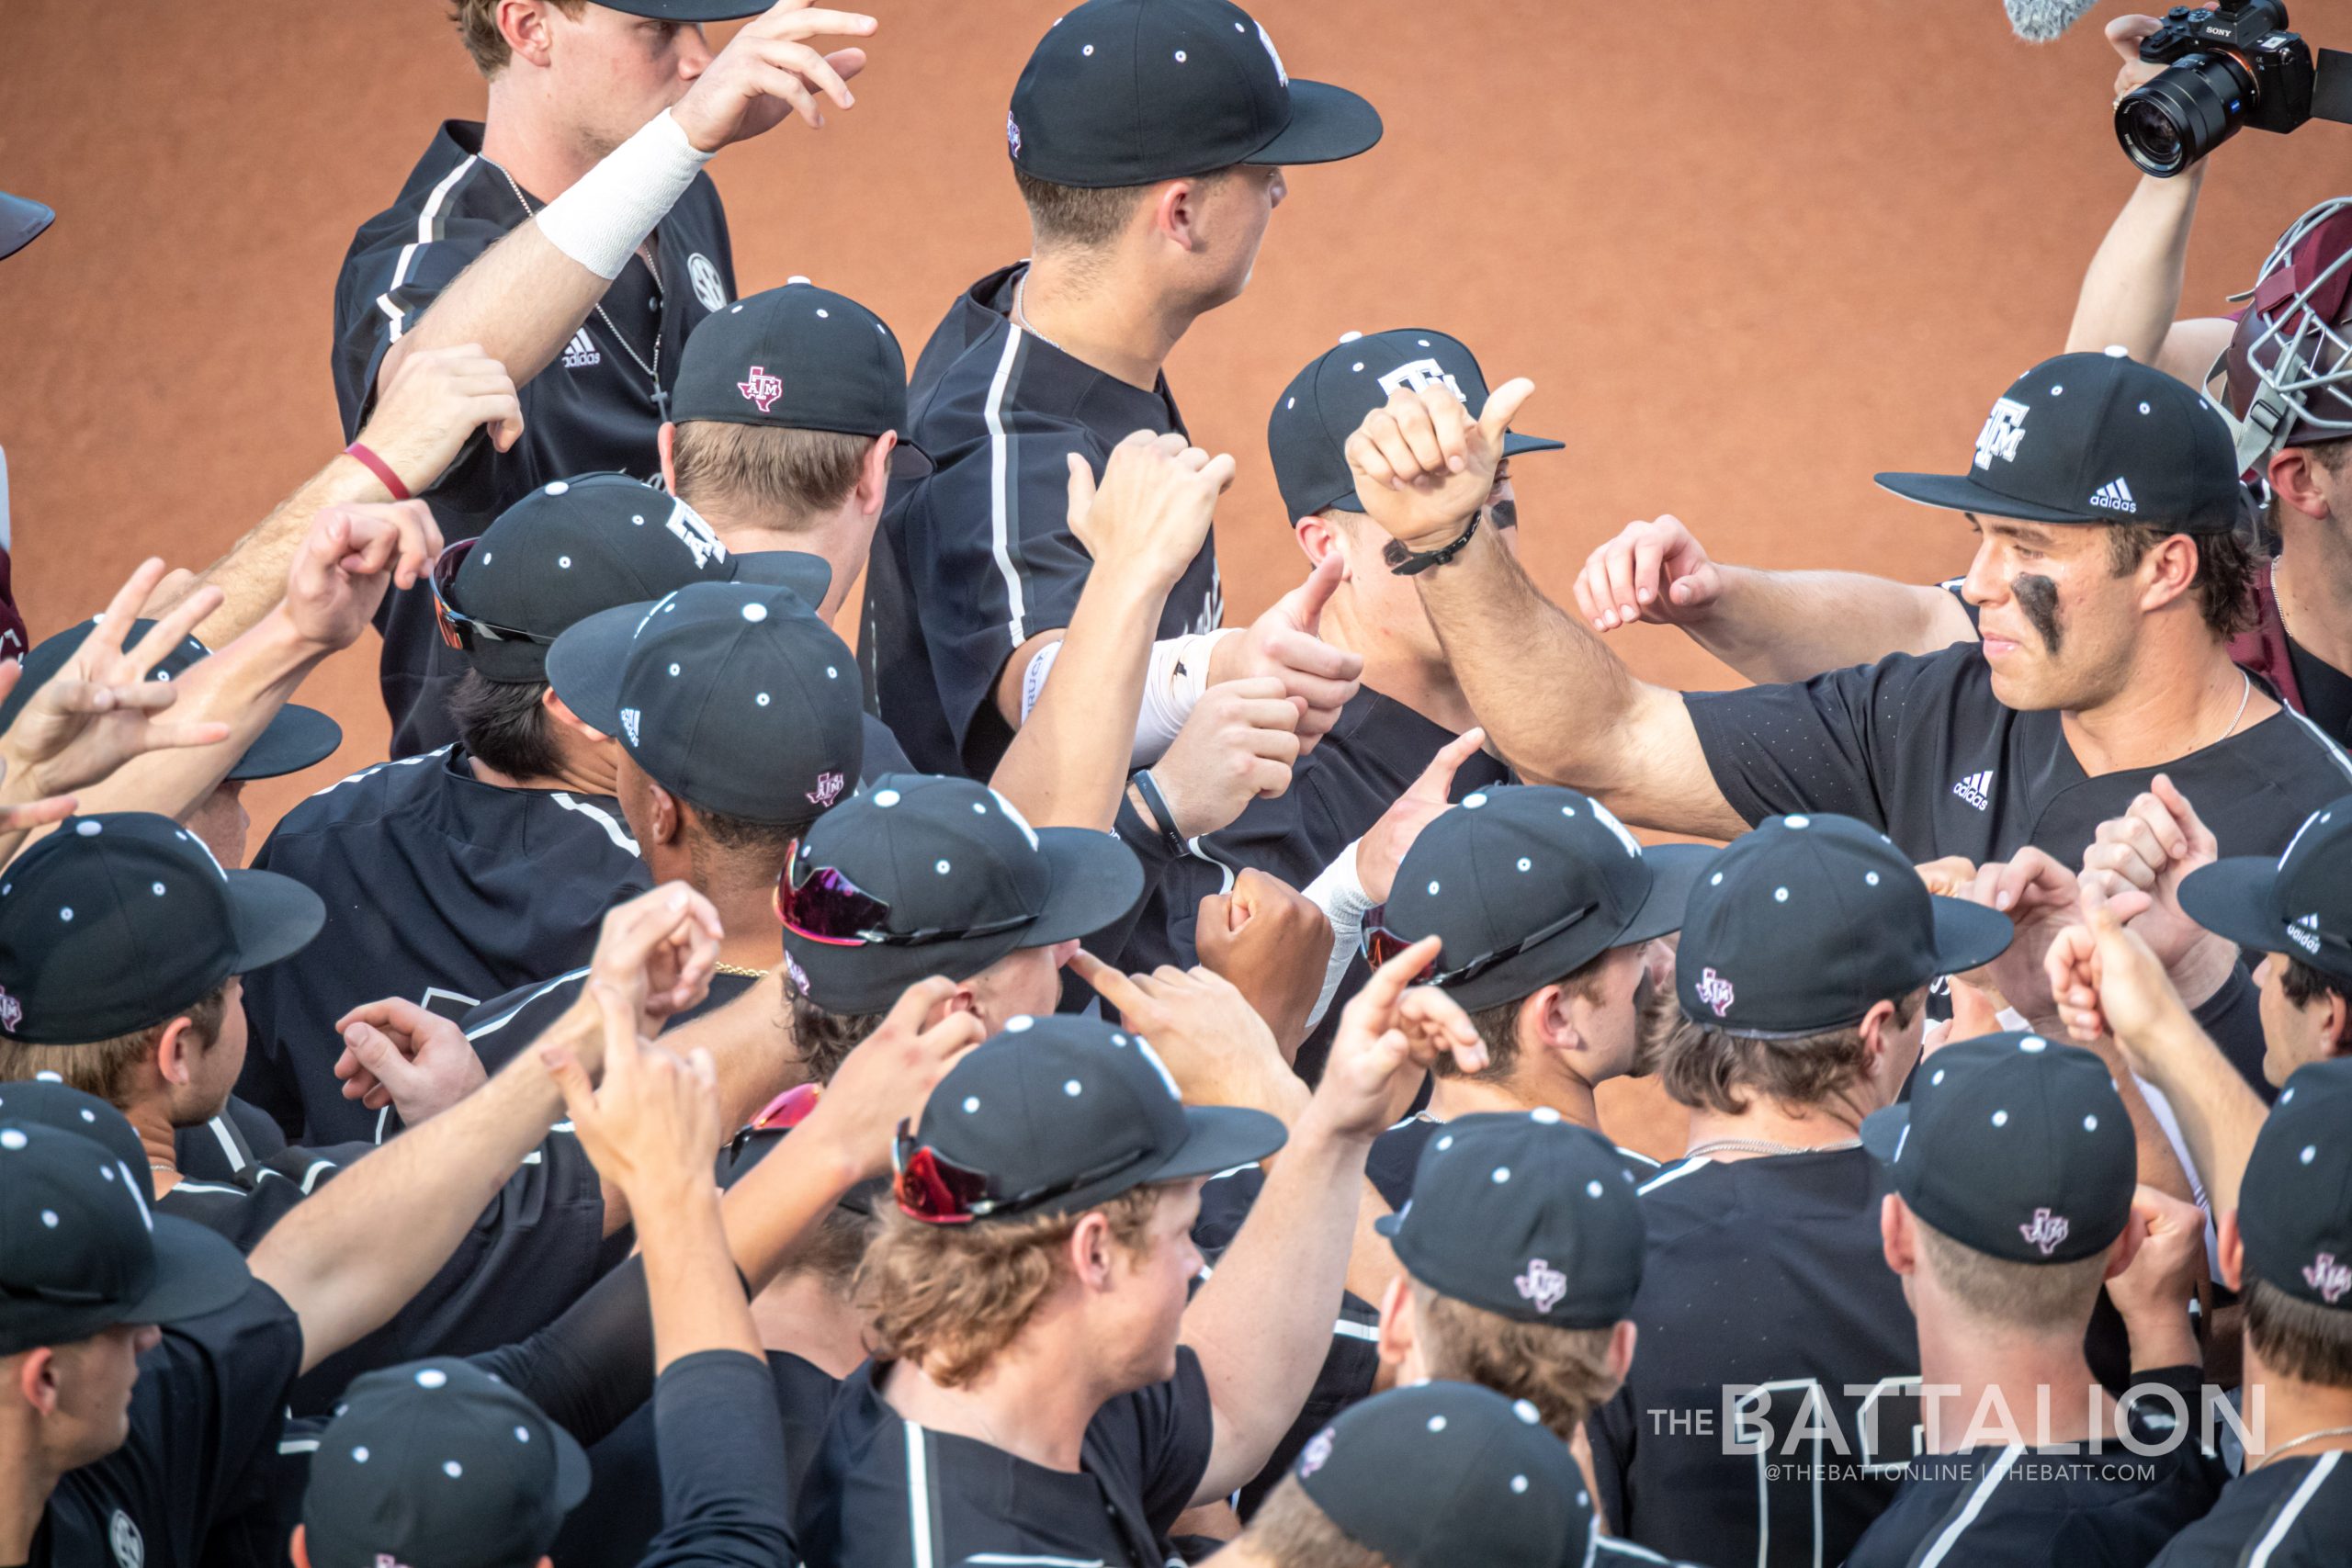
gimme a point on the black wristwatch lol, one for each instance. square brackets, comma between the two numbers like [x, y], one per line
[1412, 563]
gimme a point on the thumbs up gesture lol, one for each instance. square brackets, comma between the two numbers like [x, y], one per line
[1424, 466]
[1284, 643]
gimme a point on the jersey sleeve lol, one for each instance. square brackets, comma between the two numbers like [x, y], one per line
[1159, 1438]
[721, 1443]
[388, 284]
[992, 562]
[1832, 743]
[1610, 1432]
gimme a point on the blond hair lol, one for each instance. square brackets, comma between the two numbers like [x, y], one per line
[1564, 1372]
[788, 474]
[1712, 1069]
[109, 1069]
[1289, 1531]
[2039, 1298]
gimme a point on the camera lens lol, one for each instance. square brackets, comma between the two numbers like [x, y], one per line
[2191, 108]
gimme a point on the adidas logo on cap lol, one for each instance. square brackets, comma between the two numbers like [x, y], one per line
[2304, 933]
[1976, 789]
[2116, 496]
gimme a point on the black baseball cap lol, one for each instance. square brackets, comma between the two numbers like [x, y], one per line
[1545, 877]
[438, 1463]
[800, 358]
[1441, 1474]
[736, 698]
[2013, 1145]
[1308, 431]
[295, 738]
[114, 922]
[1056, 1114]
[1526, 1215]
[1808, 922]
[2295, 1202]
[81, 1251]
[948, 856]
[2096, 438]
[22, 221]
[574, 548]
[45, 1101]
[686, 11]
[2299, 904]
[1127, 91]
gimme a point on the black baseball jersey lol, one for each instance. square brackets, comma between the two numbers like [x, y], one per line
[884, 1493]
[439, 888]
[2012, 1506]
[2294, 1512]
[623, 1510]
[205, 1412]
[593, 409]
[974, 560]
[1762, 1274]
[529, 1254]
[725, 1498]
[221, 1148]
[1921, 749]
[500, 1028]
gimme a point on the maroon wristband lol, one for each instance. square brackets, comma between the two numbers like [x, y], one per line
[381, 468]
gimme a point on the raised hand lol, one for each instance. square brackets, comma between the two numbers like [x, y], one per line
[1151, 512]
[433, 401]
[766, 74]
[651, 1127]
[2158, 840]
[2153, 1291]
[2040, 897]
[2107, 983]
[1272, 944]
[98, 711]
[1423, 465]
[886, 1079]
[1215, 1044]
[1380, 851]
[1284, 643]
[2126, 34]
[1239, 745]
[398, 1054]
[349, 561]
[1655, 571]
[658, 953]
[1391, 1034]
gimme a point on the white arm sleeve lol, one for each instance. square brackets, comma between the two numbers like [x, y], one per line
[1172, 684]
[1343, 901]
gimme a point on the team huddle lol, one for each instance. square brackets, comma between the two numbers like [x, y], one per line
[1069, 1081]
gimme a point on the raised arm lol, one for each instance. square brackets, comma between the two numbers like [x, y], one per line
[529, 292]
[1556, 704]
[1769, 626]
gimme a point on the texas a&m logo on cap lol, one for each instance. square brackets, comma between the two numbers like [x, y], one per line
[1542, 1286]
[2045, 1231]
[1416, 374]
[2004, 428]
[2328, 1277]
[1716, 991]
[760, 387]
[827, 790]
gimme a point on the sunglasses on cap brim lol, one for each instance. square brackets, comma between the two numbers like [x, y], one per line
[1380, 945]
[458, 630]
[821, 904]
[933, 1189]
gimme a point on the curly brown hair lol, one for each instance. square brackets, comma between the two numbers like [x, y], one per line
[1564, 1372]
[1709, 1069]
[1289, 1530]
[2226, 564]
[950, 1297]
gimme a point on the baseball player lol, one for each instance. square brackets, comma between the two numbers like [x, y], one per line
[482, 865]
[1147, 137]
[1427, 1477]
[572, 236]
[2104, 658]
[22, 220]
[2013, 1167]
[1801, 980]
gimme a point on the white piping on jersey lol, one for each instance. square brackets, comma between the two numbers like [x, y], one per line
[1993, 1476]
[1348, 1328]
[228, 1141]
[2335, 752]
[1007, 1560]
[1619, 1548]
[613, 831]
[428, 223]
[2277, 1533]
[370, 773]
[503, 1018]
[299, 1446]
[1679, 1171]
[383, 1124]
[1000, 462]
[310, 1177]
[918, 1499]
[212, 1187]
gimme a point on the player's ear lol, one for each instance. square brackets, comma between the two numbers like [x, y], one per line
[1622, 1340]
[175, 1048]
[2337, 1026]
[669, 813]
[665, 441]
[1398, 1328]
[36, 1379]
[524, 27]
[2298, 481]
[1317, 536]
[874, 475]
[1090, 1251]
[2168, 570]
[1548, 1017]
[1175, 211]
[2230, 1254]
[1897, 1240]
[300, 1549]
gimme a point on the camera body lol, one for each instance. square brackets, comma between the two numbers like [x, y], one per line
[2253, 35]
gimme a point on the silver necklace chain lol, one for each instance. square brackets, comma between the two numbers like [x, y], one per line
[1021, 314]
[2275, 1450]
[1767, 1146]
[652, 371]
[2244, 696]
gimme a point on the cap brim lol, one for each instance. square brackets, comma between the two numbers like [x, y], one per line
[1097, 880]
[295, 739]
[688, 10]
[584, 664]
[809, 576]
[573, 1473]
[21, 222]
[1674, 870]
[1221, 1137]
[2237, 898]
[1882, 1131]
[1969, 936]
[197, 1271]
[1958, 492]
[1327, 124]
[270, 918]
[1514, 444]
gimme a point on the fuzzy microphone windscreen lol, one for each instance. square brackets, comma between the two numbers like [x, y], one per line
[2038, 21]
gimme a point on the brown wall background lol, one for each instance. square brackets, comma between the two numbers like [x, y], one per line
[1748, 254]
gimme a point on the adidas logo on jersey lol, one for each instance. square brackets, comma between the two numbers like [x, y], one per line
[2116, 496]
[581, 352]
[2304, 933]
[1976, 789]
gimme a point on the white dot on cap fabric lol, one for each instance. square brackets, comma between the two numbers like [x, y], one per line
[734, 309]
[1871, 877]
[639, 521]
[1237, 26]
[1525, 1410]
[940, 867]
[1502, 1174]
[558, 488]
[1544, 1114]
[2033, 1043]
[755, 611]
[1437, 1423]
[2057, 391]
[2285, 1095]
[1936, 1077]
[522, 1434]
[2090, 1123]
[1568, 811]
[359, 1455]
[1357, 365]
[1073, 1088]
[2311, 1152]
[1422, 341]
[89, 830]
[564, 561]
[1471, 802]
[2117, 351]
[1087, 50]
[886, 797]
[832, 673]
[1594, 1190]
[431, 1377]
[452, 1468]
[49, 1218]
[1432, 889]
[821, 311]
[762, 699]
[1179, 57]
[156, 888]
[1779, 895]
[796, 278]
[1716, 880]
[673, 670]
[2000, 1118]
[1446, 1142]
[1018, 1024]
[971, 1103]
[1518, 1484]
[1797, 821]
[12, 1140]
[1526, 865]
[1349, 336]
[2143, 408]
[979, 808]
[65, 914]
[1290, 403]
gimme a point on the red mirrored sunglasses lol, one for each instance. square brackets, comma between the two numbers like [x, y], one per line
[458, 630]
[821, 904]
[932, 1188]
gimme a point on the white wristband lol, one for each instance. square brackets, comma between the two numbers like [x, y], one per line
[607, 213]
[1340, 896]
[1172, 685]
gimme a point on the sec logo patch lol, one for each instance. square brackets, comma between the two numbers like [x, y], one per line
[129, 1546]
[705, 277]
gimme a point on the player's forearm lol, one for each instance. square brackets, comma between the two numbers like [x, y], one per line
[1069, 759]
[251, 574]
[1262, 1322]
[2160, 1337]
[2217, 1111]
[787, 1194]
[750, 1045]
[2132, 289]
[1792, 626]
[521, 300]
[351, 1255]
[698, 1301]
